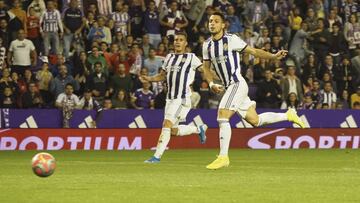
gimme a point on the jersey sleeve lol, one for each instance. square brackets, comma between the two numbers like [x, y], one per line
[195, 62]
[165, 63]
[60, 98]
[237, 43]
[205, 52]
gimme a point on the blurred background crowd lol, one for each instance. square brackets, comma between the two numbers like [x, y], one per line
[90, 53]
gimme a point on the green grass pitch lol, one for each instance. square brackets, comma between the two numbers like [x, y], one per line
[121, 176]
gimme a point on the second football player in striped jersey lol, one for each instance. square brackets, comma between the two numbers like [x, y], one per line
[179, 71]
[223, 50]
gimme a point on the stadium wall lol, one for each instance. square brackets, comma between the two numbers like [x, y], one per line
[136, 130]
[138, 139]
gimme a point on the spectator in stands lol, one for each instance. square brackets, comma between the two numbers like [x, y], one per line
[121, 19]
[295, 21]
[120, 81]
[349, 7]
[51, 28]
[315, 94]
[345, 76]
[67, 101]
[57, 84]
[136, 8]
[153, 63]
[107, 104]
[298, 48]
[87, 102]
[152, 23]
[263, 38]
[20, 21]
[269, 92]
[22, 54]
[291, 84]
[327, 78]
[256, 14]
[5, 33]
[7, 98]
[96, 57]
[355, 97]
[344, 99]
[328, 66]
[38, 7]
[74, 22]
[338, 43]
[145, 45]
[332, 18]
[60, 61]
[307, 85]
[121, 101]
[222, 5]
[98, 83]
[321, 40]
[44, 77]
[175, 20]
[143, 98]
[310, 68]
[355, 61]
[33, 28]
[328, 95]
[6, 81]
[104, 29]
[307, 103]
[3, 54]
[259, 71]
[350, 30]
[32, 98]
[291, 101]
[311, 19]
[235, 23]
[160, 98]
[356, 105]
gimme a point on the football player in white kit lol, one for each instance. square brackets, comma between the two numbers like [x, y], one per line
[222, 51]
[178, 70]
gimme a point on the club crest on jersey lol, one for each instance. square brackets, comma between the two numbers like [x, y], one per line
[183, 60]
[225, 46]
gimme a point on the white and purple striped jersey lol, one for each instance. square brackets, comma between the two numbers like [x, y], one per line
[225, 57]
[105, 7]
[50, 21]
[121, 20]
[180, 69]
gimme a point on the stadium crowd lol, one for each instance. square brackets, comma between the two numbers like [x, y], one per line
[87, 53]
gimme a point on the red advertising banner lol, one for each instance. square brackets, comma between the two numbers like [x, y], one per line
[137, 139]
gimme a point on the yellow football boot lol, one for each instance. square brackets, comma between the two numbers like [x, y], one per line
[221, 161]
[293, 117]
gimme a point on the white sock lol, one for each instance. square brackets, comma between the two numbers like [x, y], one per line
[224, 136]
[187, 130]
[270, 117]
[163, 142]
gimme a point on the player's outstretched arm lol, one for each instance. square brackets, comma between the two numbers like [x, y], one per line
[266, 55]
[159, 77]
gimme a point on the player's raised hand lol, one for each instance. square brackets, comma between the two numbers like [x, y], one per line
[144, 78]
[281, 54]
[217, 88]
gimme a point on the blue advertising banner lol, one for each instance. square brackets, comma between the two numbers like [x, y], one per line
[52, 118]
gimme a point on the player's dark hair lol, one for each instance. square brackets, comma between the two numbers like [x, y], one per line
[217, 13]
[182, 33]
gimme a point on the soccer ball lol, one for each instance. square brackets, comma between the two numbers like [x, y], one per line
[43, 164]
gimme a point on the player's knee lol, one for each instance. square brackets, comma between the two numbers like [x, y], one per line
[253, 120]
[174, 131]
[167, 124]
